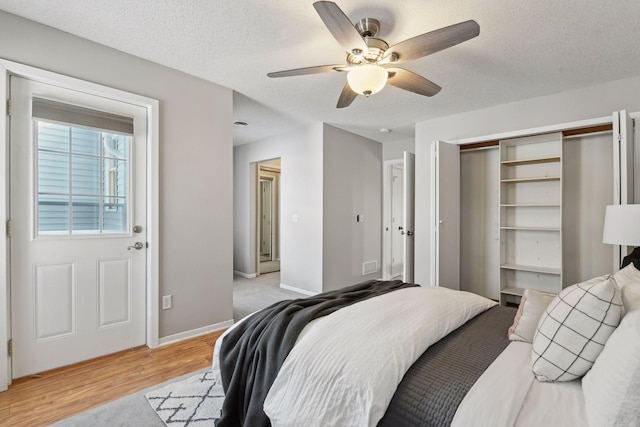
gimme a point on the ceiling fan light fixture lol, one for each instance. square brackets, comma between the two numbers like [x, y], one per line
[367, 79]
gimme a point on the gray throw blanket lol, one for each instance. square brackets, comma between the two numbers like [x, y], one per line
[252, 353]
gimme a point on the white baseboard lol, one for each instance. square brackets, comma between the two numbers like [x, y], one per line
[194, 333]
[245, 275]
[298, 290]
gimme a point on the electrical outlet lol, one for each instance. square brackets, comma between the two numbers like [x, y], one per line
[166, 302]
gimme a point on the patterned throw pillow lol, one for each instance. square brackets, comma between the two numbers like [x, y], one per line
[574, 329]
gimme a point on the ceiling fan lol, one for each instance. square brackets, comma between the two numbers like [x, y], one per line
[371, 63]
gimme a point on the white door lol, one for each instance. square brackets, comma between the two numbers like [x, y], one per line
[409, 211]
[397, 218]
[623, 158]
[445, 215]
[78, 243]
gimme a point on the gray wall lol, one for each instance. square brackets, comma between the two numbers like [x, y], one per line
[352, 185]
[195, 163]
[574, 105]
[300, 152]
[393, 150]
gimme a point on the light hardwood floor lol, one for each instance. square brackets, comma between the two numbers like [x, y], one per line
[64, 392]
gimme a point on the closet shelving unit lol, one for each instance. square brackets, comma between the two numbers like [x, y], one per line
[530, 215]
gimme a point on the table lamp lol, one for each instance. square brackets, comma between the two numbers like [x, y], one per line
[622, 227]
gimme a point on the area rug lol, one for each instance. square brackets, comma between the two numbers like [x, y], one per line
[192, 402]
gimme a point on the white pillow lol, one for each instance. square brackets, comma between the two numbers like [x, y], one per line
[532, 306]
[612, 386]
[628, 281]
[574, 329]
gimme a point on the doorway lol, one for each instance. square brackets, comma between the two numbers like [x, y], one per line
[393, 219]
[268, 217]
[397, 232]
[78, 241]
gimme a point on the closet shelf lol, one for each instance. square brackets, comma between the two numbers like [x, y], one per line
[530, 228]
[535, 161]
[532, 268]
[530, 205]
[512, 291]
[537, 179]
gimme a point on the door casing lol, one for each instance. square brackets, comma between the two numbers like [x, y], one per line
[153, 126]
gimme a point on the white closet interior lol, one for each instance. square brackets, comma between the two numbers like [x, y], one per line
[532, 207]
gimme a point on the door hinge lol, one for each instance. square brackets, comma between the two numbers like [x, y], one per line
[9, 107]
[9, 228]
[10, 348]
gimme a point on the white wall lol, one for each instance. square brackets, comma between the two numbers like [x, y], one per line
[327, 176]
[195, 163]
[574, 105]
[352, 185]
[393, 150]
[300, 152]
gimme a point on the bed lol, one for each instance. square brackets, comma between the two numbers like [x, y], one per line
[414, 356]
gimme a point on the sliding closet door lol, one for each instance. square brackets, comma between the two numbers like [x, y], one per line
[445, 215]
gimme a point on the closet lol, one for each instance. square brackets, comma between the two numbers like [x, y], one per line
[531, 206]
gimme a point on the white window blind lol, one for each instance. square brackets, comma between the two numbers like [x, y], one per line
[48, 109]
[82, 170]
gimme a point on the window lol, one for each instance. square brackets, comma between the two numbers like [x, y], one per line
[82, 184]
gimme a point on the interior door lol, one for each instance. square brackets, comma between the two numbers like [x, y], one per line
[397, 218]
[409, 212]
[78, 242]
[445, 215]
[623, 159]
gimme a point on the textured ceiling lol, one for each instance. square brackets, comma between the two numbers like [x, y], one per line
[525, 49]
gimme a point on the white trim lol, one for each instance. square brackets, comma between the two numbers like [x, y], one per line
[387, 227]
[535, 131]
[245, 275]
[5, 300]
[172, 339]
[153, 131]
[298, 290]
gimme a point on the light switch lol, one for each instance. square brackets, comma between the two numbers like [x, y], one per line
[295, 217]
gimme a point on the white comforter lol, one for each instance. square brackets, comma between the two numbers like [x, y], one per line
[345, 368]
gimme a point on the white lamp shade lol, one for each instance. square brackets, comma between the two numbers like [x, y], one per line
[622, 225]
[367, 79]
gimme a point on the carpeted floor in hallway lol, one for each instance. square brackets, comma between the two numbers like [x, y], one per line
[250, 295]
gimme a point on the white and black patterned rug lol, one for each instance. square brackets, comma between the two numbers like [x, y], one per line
[193, 402]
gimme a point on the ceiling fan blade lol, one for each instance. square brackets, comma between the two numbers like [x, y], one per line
[307, 70]
[346, 97]
[341, 27]
[412, 82]
[433, 41]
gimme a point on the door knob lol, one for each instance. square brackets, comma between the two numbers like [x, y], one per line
[137, 246]
[409, 233]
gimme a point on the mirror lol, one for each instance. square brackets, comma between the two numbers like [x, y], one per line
[266, 219]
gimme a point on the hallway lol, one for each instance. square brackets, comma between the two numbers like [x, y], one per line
[250, 295]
